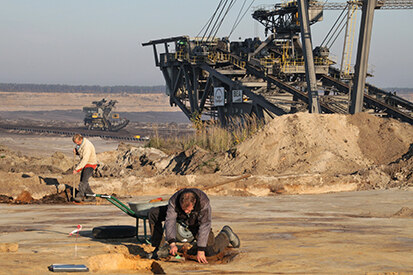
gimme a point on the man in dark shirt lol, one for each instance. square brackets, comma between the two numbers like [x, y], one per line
[191, 207]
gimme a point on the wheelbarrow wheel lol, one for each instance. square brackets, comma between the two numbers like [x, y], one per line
[114, 232]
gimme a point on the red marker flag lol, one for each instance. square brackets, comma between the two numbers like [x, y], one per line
[79, 227]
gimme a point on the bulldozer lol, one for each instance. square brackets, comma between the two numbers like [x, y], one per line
[101, 117]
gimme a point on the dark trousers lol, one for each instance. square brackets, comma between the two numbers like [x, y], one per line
[84, 187]
[157, 215]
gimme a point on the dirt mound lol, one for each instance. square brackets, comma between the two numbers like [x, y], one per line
[402, 169]
[116, 262]
[5, 199]
[61, 197]
[292, 154]
[130, 160]
[9, 247]
[192, 161]
[326, 143]
[16, 162]
[121, 257]
[24, 197]
[13, 184]
[381, 140]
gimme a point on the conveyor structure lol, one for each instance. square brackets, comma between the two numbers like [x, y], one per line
[209, 77]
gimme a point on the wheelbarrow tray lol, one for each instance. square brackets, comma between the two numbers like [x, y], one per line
[138, 210]
[143, 208]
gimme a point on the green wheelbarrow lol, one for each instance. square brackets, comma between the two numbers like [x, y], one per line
[139, 211]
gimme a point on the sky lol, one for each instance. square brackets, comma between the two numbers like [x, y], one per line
[98, 42]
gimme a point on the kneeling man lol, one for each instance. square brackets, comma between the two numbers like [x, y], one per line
[189, 206]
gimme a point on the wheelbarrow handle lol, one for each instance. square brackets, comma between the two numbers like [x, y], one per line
[115, 202]
[99, 196]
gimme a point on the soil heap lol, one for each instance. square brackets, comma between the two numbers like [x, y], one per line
[326, 143]
[297, 153]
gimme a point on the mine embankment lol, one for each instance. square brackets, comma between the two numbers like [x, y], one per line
[293, 154]
[252, 187]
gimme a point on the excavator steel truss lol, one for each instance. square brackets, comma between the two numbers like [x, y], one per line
[218, 79]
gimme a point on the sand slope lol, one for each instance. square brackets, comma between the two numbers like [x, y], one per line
[330, 144]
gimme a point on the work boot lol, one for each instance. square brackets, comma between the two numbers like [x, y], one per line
[233, 238]
[158, 253]
[78, 199]
[89, 199]
[154, 254]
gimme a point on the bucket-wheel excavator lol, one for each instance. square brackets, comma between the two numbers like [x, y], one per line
[101, 117]
[215, 78]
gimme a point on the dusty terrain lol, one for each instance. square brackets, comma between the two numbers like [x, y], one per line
[317, 193]
[30, 101]
[286, 157]
[338, 233]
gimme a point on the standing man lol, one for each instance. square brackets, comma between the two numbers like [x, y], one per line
[189, 206]
[88, 162]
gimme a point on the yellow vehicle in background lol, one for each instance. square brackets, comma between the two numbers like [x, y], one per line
[101, 117]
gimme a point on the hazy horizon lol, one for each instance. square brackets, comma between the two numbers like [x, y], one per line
[98, 42]
[141, 86]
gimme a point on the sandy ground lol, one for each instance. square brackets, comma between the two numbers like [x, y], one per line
[340, 233]
[330, 233]
[334, 233]
[46, 145]
[28, 101]
[68, 107]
